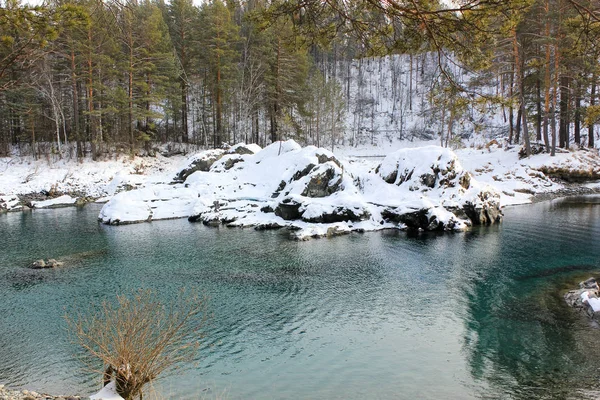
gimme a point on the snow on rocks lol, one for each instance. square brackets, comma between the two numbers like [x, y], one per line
[205, 160]
[199, 162]
[312, 192]
[9, 203]
[518, 180]
[427, 188]
[585, 299]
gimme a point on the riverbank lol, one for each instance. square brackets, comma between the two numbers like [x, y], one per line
[312, 191]
[9, 394]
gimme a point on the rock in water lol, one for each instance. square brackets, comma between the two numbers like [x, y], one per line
[585, 299]
[52, 263]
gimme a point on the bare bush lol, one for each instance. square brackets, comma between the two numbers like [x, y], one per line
[136, 338]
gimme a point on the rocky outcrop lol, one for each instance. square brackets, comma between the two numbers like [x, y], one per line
[309, 189]
[436, 174]
[8, 394]
[288, 209]
[208, 160]
[200, 162]
[570, 174]
[585, 299]
[324, 181]
[332, 214]
[427, 219]
[242, 148]
[485, 210]
[9, 203]
[422, 169]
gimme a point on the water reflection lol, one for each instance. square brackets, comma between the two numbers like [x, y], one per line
[520, 336]
[390, 314]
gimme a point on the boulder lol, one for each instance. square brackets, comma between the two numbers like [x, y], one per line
[227, 162]
[288, 209]
[267, 226]
[417, 219]
[200, 162]
[427, 219]
[320, 163]
[338, 214]
[324, 158]
[485, 210]
[50, 263]
[424, 168]
[585, 299]
[243, 148]
[324, 181]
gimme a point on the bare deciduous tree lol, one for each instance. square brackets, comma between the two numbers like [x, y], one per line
[136, 338]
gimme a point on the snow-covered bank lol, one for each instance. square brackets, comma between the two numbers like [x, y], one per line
[28, 182]
[312, 192]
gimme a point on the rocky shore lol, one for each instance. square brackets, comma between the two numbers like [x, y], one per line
[585, 299]
[568, 190]
[9, 394]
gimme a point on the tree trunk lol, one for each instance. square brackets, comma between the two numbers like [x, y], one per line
[521, 78]
[219, 101]
[130, 93]
[538, 124]
[518, 127]
[547, 83]
[555, 98]
[563, 130]
[577, 115]
[511, 117]
[75, 105]
[592, 103]
[90, 96]
[184, 88]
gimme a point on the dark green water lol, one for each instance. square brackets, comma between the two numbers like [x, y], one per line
[377, 315]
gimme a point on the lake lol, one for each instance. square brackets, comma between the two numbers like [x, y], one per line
[383, 315]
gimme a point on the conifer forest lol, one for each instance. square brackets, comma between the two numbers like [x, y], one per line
[92, 78]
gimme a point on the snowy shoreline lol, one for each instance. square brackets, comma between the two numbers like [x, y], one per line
[309, 190]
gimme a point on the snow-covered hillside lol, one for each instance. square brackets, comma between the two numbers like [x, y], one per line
[398, 98]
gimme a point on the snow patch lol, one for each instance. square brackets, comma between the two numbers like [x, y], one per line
[64, 200]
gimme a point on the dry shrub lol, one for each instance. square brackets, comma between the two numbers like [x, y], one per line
[136, 338]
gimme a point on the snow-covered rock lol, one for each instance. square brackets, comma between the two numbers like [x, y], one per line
[199, 162]
[427, 188]
[310, 190]
[207, 160]
[585, 299]
[9, 203]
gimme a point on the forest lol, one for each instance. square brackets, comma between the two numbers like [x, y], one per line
[92, 78]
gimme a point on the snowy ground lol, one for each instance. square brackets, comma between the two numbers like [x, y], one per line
[239, 185]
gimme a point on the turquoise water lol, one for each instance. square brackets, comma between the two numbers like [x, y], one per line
[377, 315]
